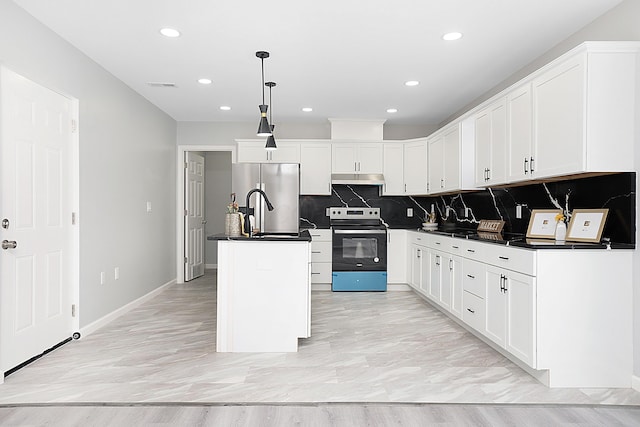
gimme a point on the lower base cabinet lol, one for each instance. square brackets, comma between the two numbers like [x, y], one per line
[510, 311]
[564, 315]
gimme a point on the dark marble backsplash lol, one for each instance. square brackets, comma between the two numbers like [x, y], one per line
[615, 192]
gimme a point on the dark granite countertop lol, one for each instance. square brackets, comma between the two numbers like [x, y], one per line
[303, 236]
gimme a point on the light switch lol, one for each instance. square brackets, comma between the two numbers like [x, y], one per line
[519, 211]
[148, 206]
[409, 212]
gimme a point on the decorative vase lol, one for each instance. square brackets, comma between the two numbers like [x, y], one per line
[561, 231]
[232, 225]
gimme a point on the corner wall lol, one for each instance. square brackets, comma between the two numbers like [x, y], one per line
[127, 158]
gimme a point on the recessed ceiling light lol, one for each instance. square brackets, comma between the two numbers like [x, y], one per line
[170, 32]
[392, 110]
[452, 36]
[225, 108]
[204, 81]
[307, 109]
[412, 83]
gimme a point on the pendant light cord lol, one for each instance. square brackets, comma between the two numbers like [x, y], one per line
[262, 61]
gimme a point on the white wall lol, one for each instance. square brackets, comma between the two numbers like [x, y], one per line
[127, 157]
[217, 188]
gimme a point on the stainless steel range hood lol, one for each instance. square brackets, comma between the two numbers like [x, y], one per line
[357, 179]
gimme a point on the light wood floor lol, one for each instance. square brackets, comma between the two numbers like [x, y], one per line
[320, 415]
[369, 348]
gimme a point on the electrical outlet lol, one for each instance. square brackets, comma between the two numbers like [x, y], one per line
[103, 277]
[148, 206]
[519, 211]
[467, 212]
[409, 212]
[116, 273]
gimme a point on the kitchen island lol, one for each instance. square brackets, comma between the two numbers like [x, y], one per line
[264, 292]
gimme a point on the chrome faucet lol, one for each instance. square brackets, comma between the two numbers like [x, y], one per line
[247, 223]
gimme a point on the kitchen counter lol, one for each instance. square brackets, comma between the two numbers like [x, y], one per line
[303, 236]
[263, 292]
[520, 240]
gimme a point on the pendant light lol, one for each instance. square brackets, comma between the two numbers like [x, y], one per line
[263, 128]
[271, 141]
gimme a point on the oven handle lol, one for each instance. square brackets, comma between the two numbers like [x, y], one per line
[359, 231]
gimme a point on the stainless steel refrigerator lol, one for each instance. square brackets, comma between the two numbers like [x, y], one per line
[281, 183]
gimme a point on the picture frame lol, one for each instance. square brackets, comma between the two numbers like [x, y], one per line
[586, 225]
[542, 224]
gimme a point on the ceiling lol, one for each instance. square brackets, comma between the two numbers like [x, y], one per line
[345, 59]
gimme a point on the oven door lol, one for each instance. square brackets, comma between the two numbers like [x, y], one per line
[357, 249]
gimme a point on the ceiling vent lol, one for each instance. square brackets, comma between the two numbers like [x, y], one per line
[161, 84]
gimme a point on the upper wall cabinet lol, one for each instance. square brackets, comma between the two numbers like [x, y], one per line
[450, 154]
[415, 167]
[584, 112]
[315, 168]
[252, 151]
[393, 169]
[357, 158]
[491, 144]
[522, 152]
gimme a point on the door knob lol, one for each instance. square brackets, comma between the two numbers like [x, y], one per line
[9, 244]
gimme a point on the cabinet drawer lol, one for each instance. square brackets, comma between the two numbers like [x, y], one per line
[474, 278]
[320, 272]
[473, 250]
[473, 310]
[418, 238]
[320, 234]
[515, 259]
[320, 251]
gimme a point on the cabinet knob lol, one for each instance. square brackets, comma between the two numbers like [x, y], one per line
[471, 311]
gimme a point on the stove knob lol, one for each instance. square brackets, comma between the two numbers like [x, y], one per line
[376, 259]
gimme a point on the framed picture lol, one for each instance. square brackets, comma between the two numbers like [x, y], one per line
[586, 225]
[543, 223]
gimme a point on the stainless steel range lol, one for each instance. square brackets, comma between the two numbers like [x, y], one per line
[359, 242]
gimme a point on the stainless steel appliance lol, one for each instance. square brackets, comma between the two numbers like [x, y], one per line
[359, 242]
[281, 183]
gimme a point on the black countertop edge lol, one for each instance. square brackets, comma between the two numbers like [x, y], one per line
[303, 236]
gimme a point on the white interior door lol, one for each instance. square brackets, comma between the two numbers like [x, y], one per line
[194, 218]
[35, 210]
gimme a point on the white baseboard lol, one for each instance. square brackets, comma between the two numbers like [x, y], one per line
[211, 266]
[104, 320]
[635, 382]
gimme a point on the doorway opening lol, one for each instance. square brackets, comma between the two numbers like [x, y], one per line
[217, 187]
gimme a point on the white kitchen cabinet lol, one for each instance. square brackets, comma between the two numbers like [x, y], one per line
[582, 105]
[510, 311]
[393, 153]
[357, 158]
[396, 256]
[435, 275]
[491, 144]
[522, 153]
[252, 151]
[444, 160]
[315, 169]
[415, 166]
[321, 255]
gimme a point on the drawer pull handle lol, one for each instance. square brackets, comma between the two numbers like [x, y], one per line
[315, 273]
[471, 311]
[470, 276]
[506, 258]
[437, 243]
[471, 250]
[455, 247]
[316, 252]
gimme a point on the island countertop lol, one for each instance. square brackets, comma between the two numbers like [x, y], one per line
[302, 236]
